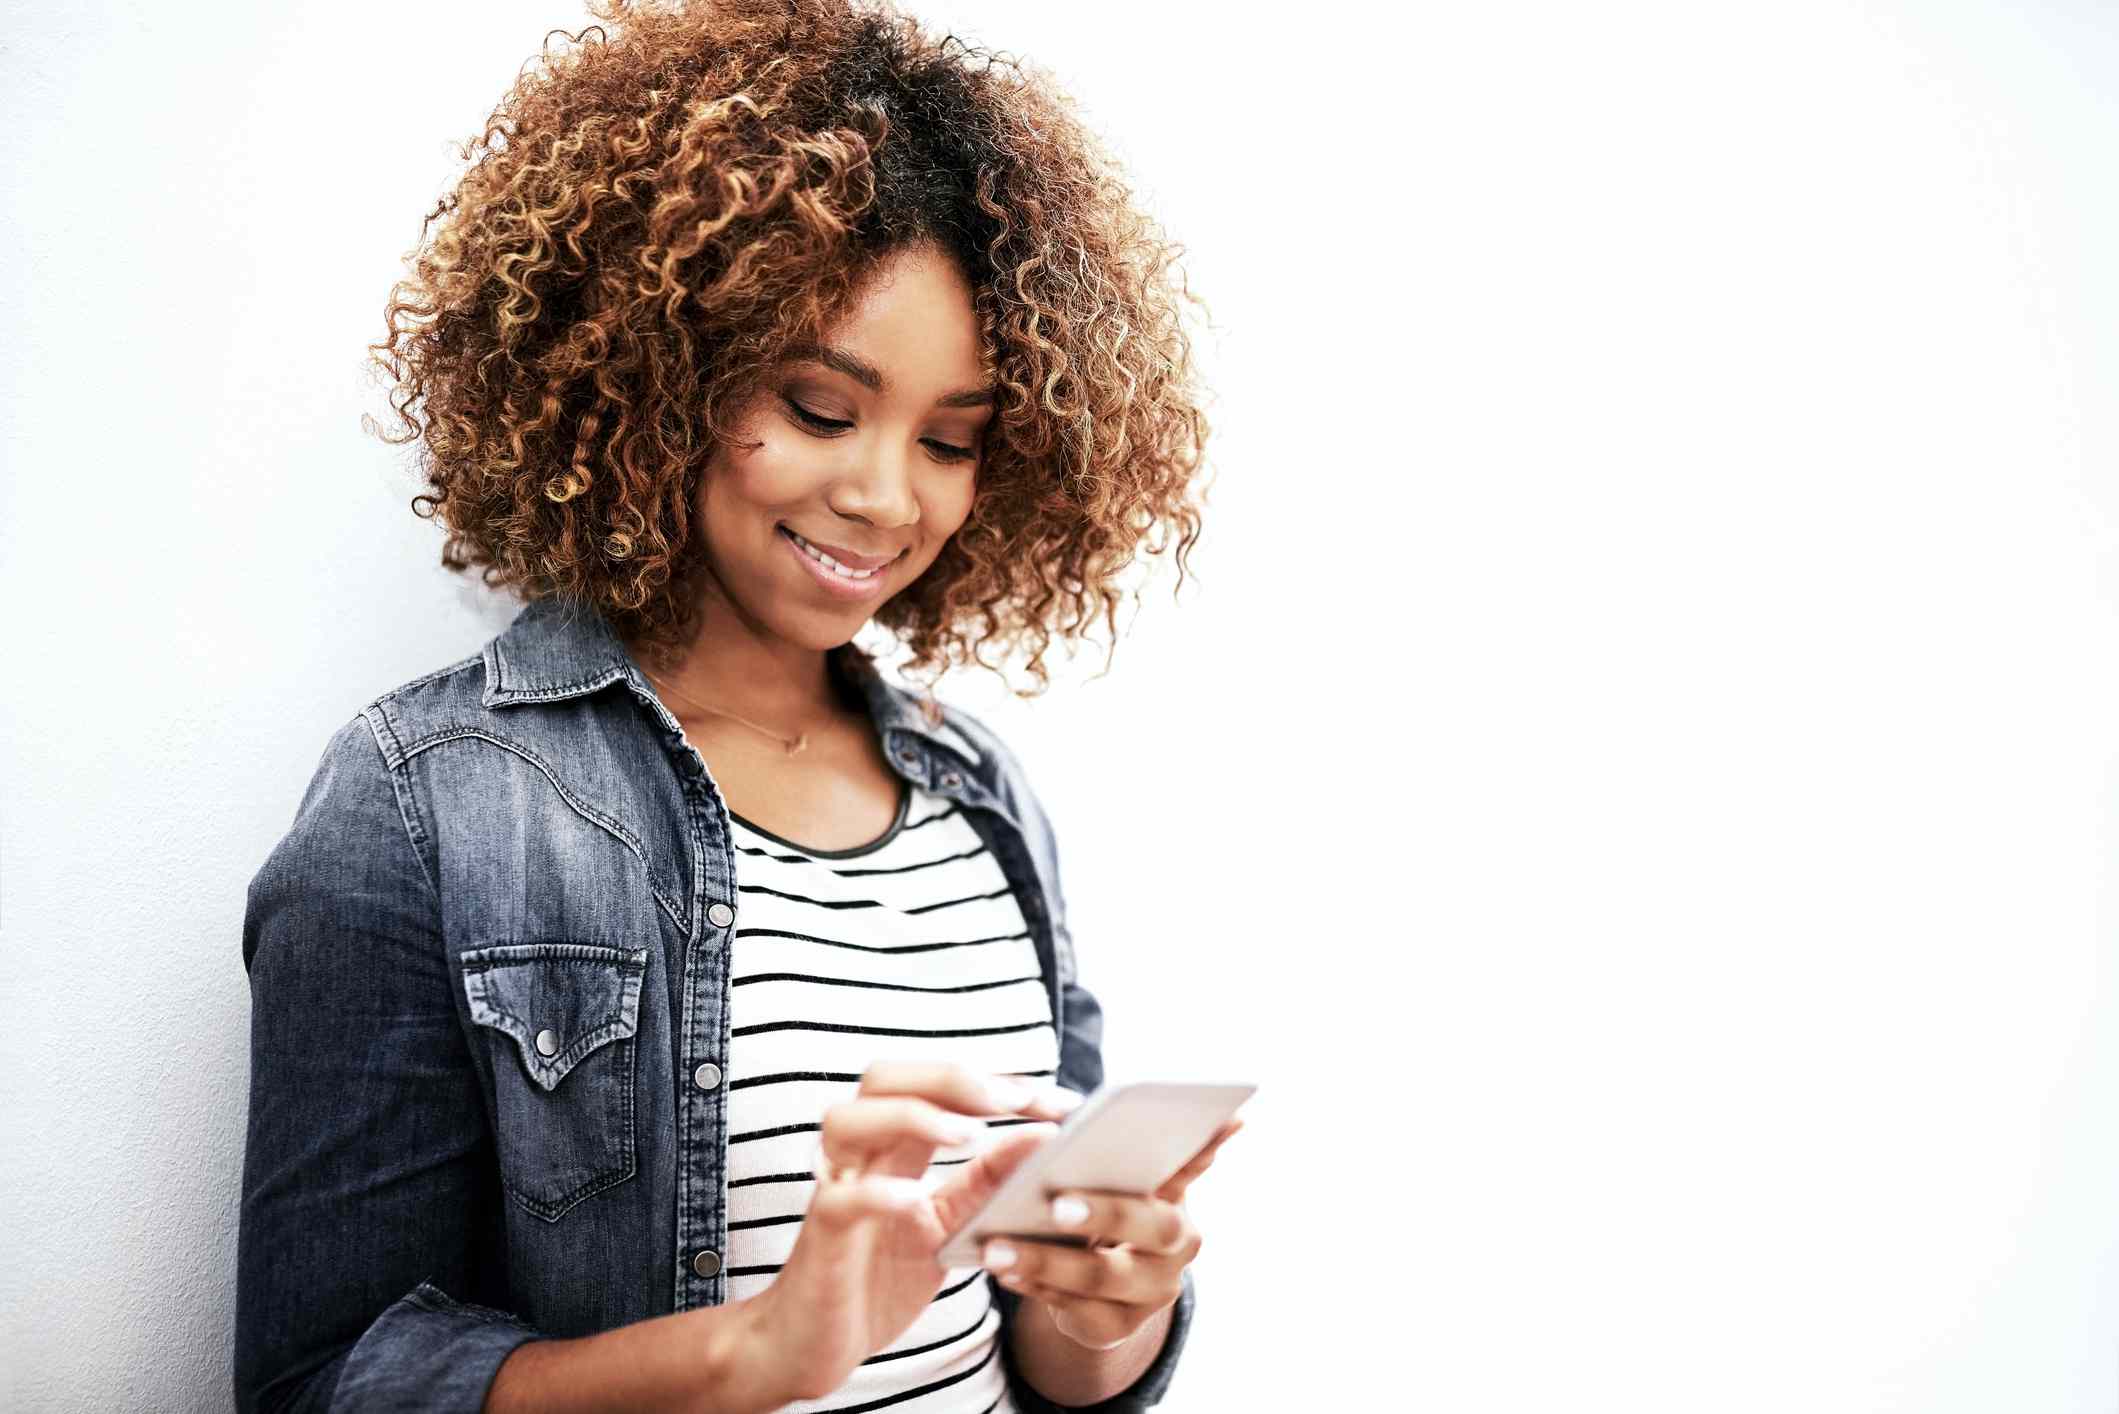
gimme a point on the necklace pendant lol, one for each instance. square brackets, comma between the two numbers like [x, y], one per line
[798, 743]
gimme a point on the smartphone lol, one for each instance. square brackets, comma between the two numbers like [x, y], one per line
[1123, 1138]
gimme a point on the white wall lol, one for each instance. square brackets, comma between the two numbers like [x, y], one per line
[1662, 882]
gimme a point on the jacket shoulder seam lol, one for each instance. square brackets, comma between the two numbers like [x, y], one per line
[408, 811]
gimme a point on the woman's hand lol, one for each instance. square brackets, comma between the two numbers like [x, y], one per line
[863, 1266]
[1100, 1295]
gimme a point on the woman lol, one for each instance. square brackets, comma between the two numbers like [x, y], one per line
[617, 987]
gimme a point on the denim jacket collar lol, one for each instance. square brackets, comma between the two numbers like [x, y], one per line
[561, 648]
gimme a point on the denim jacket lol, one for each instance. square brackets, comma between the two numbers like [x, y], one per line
[489, 1000]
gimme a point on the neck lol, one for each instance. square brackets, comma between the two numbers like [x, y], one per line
[738, 665]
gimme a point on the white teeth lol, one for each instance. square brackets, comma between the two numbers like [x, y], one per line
[831, 564]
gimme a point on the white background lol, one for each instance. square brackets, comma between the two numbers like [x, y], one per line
[1634, 783]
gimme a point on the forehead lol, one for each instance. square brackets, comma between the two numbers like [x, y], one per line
[913, 319]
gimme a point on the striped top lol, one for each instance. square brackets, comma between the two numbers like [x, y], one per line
[909, 947]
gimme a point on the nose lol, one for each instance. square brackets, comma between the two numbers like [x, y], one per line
[880, 492]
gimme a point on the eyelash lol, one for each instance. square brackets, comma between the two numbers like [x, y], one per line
[827, 426]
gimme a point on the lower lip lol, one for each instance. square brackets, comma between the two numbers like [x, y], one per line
[845, 588]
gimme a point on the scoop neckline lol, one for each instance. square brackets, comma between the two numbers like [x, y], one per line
[897, 824]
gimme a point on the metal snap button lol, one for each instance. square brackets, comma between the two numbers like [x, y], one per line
[547, 1042]
[721, 915]
[908, 756]
[707, 1076]
[706, 1261]
[951, 779]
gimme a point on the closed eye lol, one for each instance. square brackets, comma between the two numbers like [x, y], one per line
[832, 427]
[810, 419]
[951, 452]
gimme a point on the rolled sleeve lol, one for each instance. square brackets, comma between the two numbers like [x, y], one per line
[366, 1153]
[429, 1351]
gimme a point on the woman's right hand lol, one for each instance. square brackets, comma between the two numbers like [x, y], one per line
[863, 1265]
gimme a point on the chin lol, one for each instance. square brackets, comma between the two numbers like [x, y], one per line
[820, 633]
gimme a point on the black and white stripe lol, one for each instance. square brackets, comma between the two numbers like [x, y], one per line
[912, 947]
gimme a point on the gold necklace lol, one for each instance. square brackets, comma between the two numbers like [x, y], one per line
[793, 745]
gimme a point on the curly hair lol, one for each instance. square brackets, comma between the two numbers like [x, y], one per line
[664, 209]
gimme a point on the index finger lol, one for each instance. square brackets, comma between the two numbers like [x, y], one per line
[961, 1088]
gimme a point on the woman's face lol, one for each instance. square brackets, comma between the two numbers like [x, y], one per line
[868, 449]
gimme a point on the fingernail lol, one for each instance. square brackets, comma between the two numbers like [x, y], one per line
[999, 1255]
[1068, 1210]
[962, 1131]
[1060, 1098]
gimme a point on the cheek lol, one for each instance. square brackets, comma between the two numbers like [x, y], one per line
[946, 503]
[777, 474]
[745, 490]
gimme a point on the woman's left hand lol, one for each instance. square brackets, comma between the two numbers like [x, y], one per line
[1100, 1295]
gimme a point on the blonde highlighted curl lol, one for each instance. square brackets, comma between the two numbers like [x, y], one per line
[667, 206]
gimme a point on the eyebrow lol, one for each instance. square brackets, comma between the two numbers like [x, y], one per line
[870, 377]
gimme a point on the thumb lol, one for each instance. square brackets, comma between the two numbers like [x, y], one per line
[973, 1183]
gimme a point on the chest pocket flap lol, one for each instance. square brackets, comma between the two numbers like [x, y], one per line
[558, 1002]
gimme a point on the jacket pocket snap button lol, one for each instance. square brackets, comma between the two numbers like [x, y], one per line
[721, 915]
[547, 1042]
[952, 780]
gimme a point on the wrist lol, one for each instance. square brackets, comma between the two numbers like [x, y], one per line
[748, 1369]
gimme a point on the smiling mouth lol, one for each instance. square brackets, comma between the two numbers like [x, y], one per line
[826, 562]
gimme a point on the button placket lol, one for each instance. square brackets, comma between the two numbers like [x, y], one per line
[701, 1110]
[708, 1077]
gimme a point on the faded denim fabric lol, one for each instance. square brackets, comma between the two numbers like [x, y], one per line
[486, 964]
